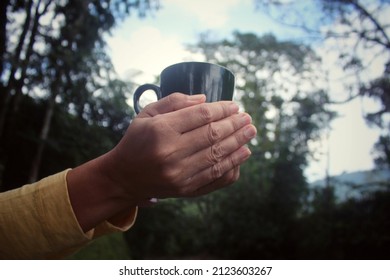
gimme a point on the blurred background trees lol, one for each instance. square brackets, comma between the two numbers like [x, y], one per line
[358, 30]
[55, 68]
[63, 104]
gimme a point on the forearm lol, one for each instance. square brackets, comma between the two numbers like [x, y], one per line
[37, 221]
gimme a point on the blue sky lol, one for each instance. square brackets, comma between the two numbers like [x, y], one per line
[152, 43]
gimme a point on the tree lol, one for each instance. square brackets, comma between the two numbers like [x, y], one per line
[360, 31]
[55, 51]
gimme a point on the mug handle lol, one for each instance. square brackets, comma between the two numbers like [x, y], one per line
[140, 90]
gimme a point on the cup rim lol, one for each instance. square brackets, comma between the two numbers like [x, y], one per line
[198, 62]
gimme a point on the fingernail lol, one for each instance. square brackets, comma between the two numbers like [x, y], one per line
[245, 152]
[234, 108]
[250, 132]
[245, 119]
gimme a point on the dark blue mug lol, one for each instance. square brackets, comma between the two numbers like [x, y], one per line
[215, 81]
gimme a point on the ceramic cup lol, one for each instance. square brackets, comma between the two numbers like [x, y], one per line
[215, 81]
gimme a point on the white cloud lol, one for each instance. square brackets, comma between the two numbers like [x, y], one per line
[148, 51]
[141, 56]
[211, 14]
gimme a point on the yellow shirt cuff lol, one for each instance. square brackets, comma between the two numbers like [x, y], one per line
[37, 221]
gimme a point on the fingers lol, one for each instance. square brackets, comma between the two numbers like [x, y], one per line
[227, 179]
[214, 132]
[215, 164]
[200, 145]
[208, 171]
[219, 175]
[203, 114]
[215, 155]
[171, 103]
[234, 160]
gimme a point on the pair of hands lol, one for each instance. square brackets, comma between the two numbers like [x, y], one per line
[179, 146]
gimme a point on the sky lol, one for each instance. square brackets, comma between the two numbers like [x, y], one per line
[159, 40]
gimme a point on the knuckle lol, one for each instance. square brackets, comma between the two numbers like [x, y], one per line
[216, 153]
[170, 176]
[214, 133]
[216, 171]
[205, 113]
[175, 96]
[173, 99]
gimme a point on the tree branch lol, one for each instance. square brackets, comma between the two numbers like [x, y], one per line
[368, 15]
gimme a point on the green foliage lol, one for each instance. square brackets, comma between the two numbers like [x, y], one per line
[72, 139]
[56, 55]
[167, 230]
[355, 229]
[382, 149]
[110, 247]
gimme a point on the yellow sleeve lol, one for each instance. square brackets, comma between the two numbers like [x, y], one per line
[37, 221]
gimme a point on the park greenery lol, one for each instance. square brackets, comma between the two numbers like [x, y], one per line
[62, 104]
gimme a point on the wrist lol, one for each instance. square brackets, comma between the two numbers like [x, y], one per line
[94, 196]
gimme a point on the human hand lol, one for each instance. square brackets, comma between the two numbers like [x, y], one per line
[176, 147]
[180, 147]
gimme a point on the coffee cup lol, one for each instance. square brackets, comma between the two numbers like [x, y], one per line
[215, 81]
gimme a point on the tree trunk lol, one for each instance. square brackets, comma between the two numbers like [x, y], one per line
[25, 63]
[36, 163]
[11, 83]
